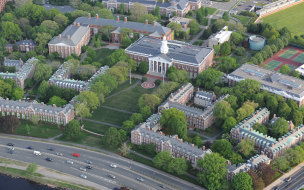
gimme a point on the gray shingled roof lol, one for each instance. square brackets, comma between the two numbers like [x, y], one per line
[181, 4]
[76, 33]
[63, 9]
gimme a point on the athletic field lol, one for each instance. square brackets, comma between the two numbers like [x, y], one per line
[291, 17]
[288, 53]
[271, 65]
[291, 67]
[299, 58]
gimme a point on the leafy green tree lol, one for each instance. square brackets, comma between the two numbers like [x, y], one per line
[143, 67]
[126, 41]
[197, 140]
[199, 17]
[178, 166]
[174, 120]
[236, 38]
[296, 74]
[91, 53]
[148, 17]
[42, 72]
[175, 26]
[242, 181]
[106, 30]
[122, 8]
[59, 102]
[8, 17]
[249, 86]
[297, 117]
[52, 25]
[272, 104]
[229, 123]
[145, 111]
[222, 110]
[194, 26]
[225, 49]
[260, 128]
[207, 33]
[170, 70]
[281, 163]
[90, 98]
[150, 100]
[71, 130]
[292, 105]
[18, 93]
[279, 128]
[11, 31]
[227, 64]
[79, 13]
[35, 13]
[284, 111]
[213, 172]
[162, 160]
[179, 76]
[82, 110]
[31, 168]
[246, 147]
[232, 100]
[30, 54]
[223, 147]
[112, 137]
[128, 125]
[208, 78]
[156, 11]
[206, 11]
[226, 16]
[285, 69]
[136, 118]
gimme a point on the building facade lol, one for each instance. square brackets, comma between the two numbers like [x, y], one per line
[70, 41]
[220, 37]
[2, 4]
[46, 113]
[154, 30]
[13, 63]
[287, 86]
[203, 98]
[26, 71]
[24, 45]
[181, 7]
[161, 54]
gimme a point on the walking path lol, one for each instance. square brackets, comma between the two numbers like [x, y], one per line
[25, 95]
[117, 109]
[110, 46]
[138, 82]
[102, 122]
[212, 139]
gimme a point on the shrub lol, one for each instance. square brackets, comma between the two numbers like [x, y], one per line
[84, 48]
[144, 79]
[157, 82]
[51, 57]
[56, 54]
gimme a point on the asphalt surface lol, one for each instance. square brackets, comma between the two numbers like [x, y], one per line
[297, 180]
[101, 165]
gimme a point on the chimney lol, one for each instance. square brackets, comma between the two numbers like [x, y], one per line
[265, 136]
[297, 128]
[72, 102]
[279, 140]
[125, 19]
[20, 59]
[63, 78]
[252, 159]
[146, 22]
[68, 37]
[154, 23]
[89, 15]
[176, 137]
[6, 72]
[283, 138]
[197, 89]
[274, 115]
[192, 145]
[251, 129]
[7, 99]
[4, 58]
[244, 121]
[31, 39]
[262, 152]
[272, 144]
[15, 41]
[42, 103]
[228, 162]
[181, 140]
[19, 100]
[161, 133]
[59, 36]
[163, 1]
[203, 147]
[25, 38]
[75, 22]
[54, 105]
[78, 24]
[293, 132]
[117, 18]
[149, 128]
[96, 16]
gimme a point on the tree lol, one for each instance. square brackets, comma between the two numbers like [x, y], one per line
[284, 111]
[258, 127]
[227, 64]
[42, 72]
[18, 93]
[193, 25]
[222, 110]
[281, 162]
[10, 31]
[82, 110]
[249, 86]
[137, 11]
[208, 78]
[162, 160]
[43, 38]
[148, 17]
[199, 17]
[112, 137]
[31, 168]
[225, 49]
[105, 13]
[197, 140]
[179, 76]
[150, 100]
[279, 128]
[223, 147]
[34, 119]
[242, 181]
[174, 120]
[226, 16]
[207, 33]
[229, 123]
[123, 134]
[213, 172]
[61, 20]
[52, 25]
[177, 27]
[10, 123]
[178, 166]
[257, 181]
[106, 30]
[170, 70]
[206, 12]
[79, 13]
[145, 111]
[246, 147]
[128, 125]
[91, 53]
[272, 104]
[296, 74]
[124, 149]
[285, 69]
[143, 67]
[90, 98]
[59, 102]
[265, 172]
[35, 13]
[30, 54]
[126, 41]
[71, 130]
[122, 8]
[297, 117]
[136, 118]
[85, 7]
[8, 17]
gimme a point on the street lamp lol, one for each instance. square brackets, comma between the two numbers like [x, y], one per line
[153, 174]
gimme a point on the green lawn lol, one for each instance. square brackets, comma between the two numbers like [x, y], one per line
[240, 60]
[211, 10]
[214, 130]
[243, 19]
[252, 52]
[110, 116]
[123, 86]
[35, 89]
[190, 136]
[205, 21]
[101, 55]
[95, 127]
[40, 131]
[128, 100]
[213, 21]
[292, 18]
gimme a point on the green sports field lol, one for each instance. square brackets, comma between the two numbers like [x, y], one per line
[291, 17]
[288, 53]
[299, 58]
[272, 65]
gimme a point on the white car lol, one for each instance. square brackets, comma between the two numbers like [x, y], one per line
[113, 166]
[70, 162]
[10, 148]
[59, 154]
[140, 179]
[83, 169]
[83, 176]
[89, 162]
[111, 176]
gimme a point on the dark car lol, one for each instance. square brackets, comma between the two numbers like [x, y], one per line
[10, 144]
[89, 167]
[29, 147]
[52, 149]
[162, 186]
[49, 159]
[11, 152]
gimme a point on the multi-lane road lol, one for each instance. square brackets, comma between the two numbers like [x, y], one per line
[296, 182]
[101, 165]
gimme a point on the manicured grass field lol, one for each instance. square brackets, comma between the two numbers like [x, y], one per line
[123, 86]
[205, 21]
[95, 127]
[211, 10]
[241, 59]
[101, 55]
[252, 52]
[299, 58]
[128, 100]
[291, 67]
[288, 53]
[43, 131]
[110, 116]
[292, 18]
[35, 89]
[243, 19]
[272, 65]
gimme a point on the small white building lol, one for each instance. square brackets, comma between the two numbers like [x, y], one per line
[300, 69]
[220, 37]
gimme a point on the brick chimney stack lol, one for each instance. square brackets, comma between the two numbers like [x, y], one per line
[192, 145]
[42, 103]
[265, 136]
[272, 144]
[7, 99]
[89, 15]
[96, 16]
[59, 36]
[68, 37]
[203, 147]
[54, 105]
[146, 22]
[161, 133]
[4, 58]
[117, 18]
[154, 23]
[274, 115]
[163, 1]
[181, 140]
[19, 100]
[74, 23]
[78, 24]
[125, 19]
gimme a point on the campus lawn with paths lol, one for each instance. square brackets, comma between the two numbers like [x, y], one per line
[123, 86]
[240, 60]
[102, 54]
[243, 19]
[110, 116]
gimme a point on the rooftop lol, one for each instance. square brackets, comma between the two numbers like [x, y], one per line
[63, 9]
[181, 4]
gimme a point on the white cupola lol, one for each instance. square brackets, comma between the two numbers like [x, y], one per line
[164, 48]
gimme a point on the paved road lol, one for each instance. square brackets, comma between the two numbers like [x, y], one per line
[297, 180]
[123, 173]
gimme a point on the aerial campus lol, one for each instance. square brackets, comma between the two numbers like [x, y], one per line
[144, 94]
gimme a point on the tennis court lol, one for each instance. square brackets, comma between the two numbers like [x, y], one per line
[291, 67]
[288, 53]
[299, 58]
[272, 65]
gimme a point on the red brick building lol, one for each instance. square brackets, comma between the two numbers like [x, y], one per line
[2, 4]
[24, 45]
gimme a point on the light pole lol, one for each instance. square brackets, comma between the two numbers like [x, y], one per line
[153, 174]
[130, 76]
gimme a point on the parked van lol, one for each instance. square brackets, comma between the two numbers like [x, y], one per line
[83, 169]
[37, 153]
[10, 148]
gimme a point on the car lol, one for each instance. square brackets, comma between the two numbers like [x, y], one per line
[49, 159]
[162, 186]
[255, 2]
[70, 162]
[247, 9]
[113, 166]
[10, 148]
[111, 176]
[276, 188]
[288, 179]
[89, 162]
[89, 167]
[51, 149]
[59, 154]
[76, 154]
[29, 147]
[83, 169]
[10, 144]
[83, 176]
[140, 179]
[11, 152]
[250, 5]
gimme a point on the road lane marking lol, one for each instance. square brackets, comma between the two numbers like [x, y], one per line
[294, 183]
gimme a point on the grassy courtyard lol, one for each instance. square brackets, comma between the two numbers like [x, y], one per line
[292, 18]
[101, 55]
[123, 86]
[109, 116]
[240, 60]
[243, 19]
